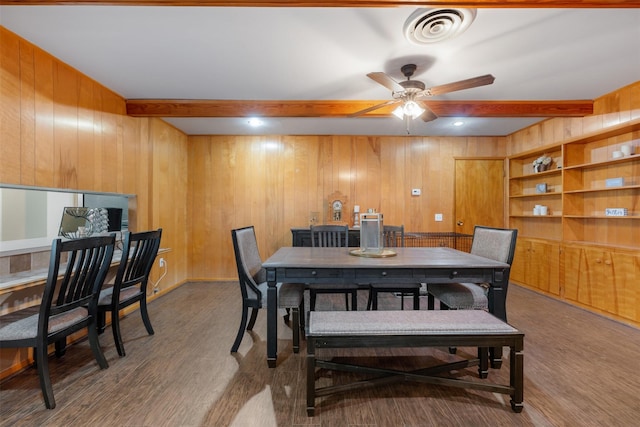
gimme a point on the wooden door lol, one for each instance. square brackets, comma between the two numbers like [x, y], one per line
[479, 194]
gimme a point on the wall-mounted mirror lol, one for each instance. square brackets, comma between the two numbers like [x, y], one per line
[31, 217]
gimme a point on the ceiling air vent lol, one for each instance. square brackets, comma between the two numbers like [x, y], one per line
[426, 26]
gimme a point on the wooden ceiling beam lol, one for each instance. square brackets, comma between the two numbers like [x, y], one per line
[237, 108]
[348, 3]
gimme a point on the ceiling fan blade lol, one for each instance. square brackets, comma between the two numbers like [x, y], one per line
[460, 85]
[386, 81]
[428, 114]
[375, 107]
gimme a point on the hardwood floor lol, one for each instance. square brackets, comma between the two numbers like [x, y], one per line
[580, 370]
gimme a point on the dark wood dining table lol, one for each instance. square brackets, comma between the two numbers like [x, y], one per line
[409, 265]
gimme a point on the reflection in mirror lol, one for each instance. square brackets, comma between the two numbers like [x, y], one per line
[31, 217]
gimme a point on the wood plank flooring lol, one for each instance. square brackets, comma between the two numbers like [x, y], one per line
[580, 370]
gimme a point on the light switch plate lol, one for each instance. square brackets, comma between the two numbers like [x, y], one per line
[438, 217]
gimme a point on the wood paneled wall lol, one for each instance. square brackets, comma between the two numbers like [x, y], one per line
[616, 107]
[274, 182]
[61, 129]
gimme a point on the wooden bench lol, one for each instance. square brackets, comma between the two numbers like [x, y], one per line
[426, 328]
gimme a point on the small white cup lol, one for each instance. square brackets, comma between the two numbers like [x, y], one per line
[537, 209]
[626, 150]
[544, 210]
[617, 154]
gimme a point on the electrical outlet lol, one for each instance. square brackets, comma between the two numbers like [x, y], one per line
[162, 263]
[416, 192]
[156, 290]
[438, 217]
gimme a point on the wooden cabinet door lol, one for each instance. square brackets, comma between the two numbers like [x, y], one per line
[573, 273]
[599, 270]
[544, 266]
[520, 263]
[626, 284]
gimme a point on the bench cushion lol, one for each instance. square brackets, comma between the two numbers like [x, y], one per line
[420, 322]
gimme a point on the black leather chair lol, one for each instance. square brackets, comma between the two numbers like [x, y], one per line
[77, 270]
[393, 236]
[253, 287]
[332, 236]
[139, 251]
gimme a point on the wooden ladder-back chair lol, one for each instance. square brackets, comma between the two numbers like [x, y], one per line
[77, 270]
[393, 236]
[139, 252]
[333, 236]
[253, 287]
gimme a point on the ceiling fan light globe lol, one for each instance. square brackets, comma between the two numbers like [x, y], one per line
[412, 109]
[399, 112]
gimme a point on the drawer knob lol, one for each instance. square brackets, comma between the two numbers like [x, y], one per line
[314, 273]
[453, 274]
[384, 273]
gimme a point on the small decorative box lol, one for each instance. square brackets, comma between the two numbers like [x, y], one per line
[616, 212]
[541, 188]
[614, 182]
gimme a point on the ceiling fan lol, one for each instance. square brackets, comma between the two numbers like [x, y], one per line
[410, 93]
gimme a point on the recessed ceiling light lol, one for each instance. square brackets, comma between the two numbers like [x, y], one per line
[458, 123]
[255, 122]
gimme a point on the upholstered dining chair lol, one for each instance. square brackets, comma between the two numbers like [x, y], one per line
[393, 236]
[332, 236]
[252, 279]
[77, 270]
[495, 243]
[139, 251]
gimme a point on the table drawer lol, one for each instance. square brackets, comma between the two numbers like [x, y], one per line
[306, 273]
[404, 273]
[448, 275]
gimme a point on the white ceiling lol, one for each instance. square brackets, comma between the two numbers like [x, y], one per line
[283, 53]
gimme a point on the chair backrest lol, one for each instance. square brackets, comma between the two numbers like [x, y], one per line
[248, 262]
[87, 263]
[139, 251]
[498, 244]
[393, 236]
[329, 236]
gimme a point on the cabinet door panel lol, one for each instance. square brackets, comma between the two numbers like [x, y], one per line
[626, 286]
[575, 275]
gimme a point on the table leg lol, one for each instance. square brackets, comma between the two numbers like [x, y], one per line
[311, 378]
[517, 381]
[272, 324]
[498, 307]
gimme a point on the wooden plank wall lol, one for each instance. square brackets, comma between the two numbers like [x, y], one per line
[611, 109]
[61, 129]
[274, 182]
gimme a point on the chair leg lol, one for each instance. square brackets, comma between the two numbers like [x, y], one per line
[101, 321]
[94, 343]
[354, 300]
[117, 337]
[243, 325]
[303, 314]
[401, 300]
[346, 302]
[370, 298]
[296, 329]
[431, 302]
[42, 362]
[312, 300]
[252, 320]
[416, 299]
[145, 316]
[61, 347]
